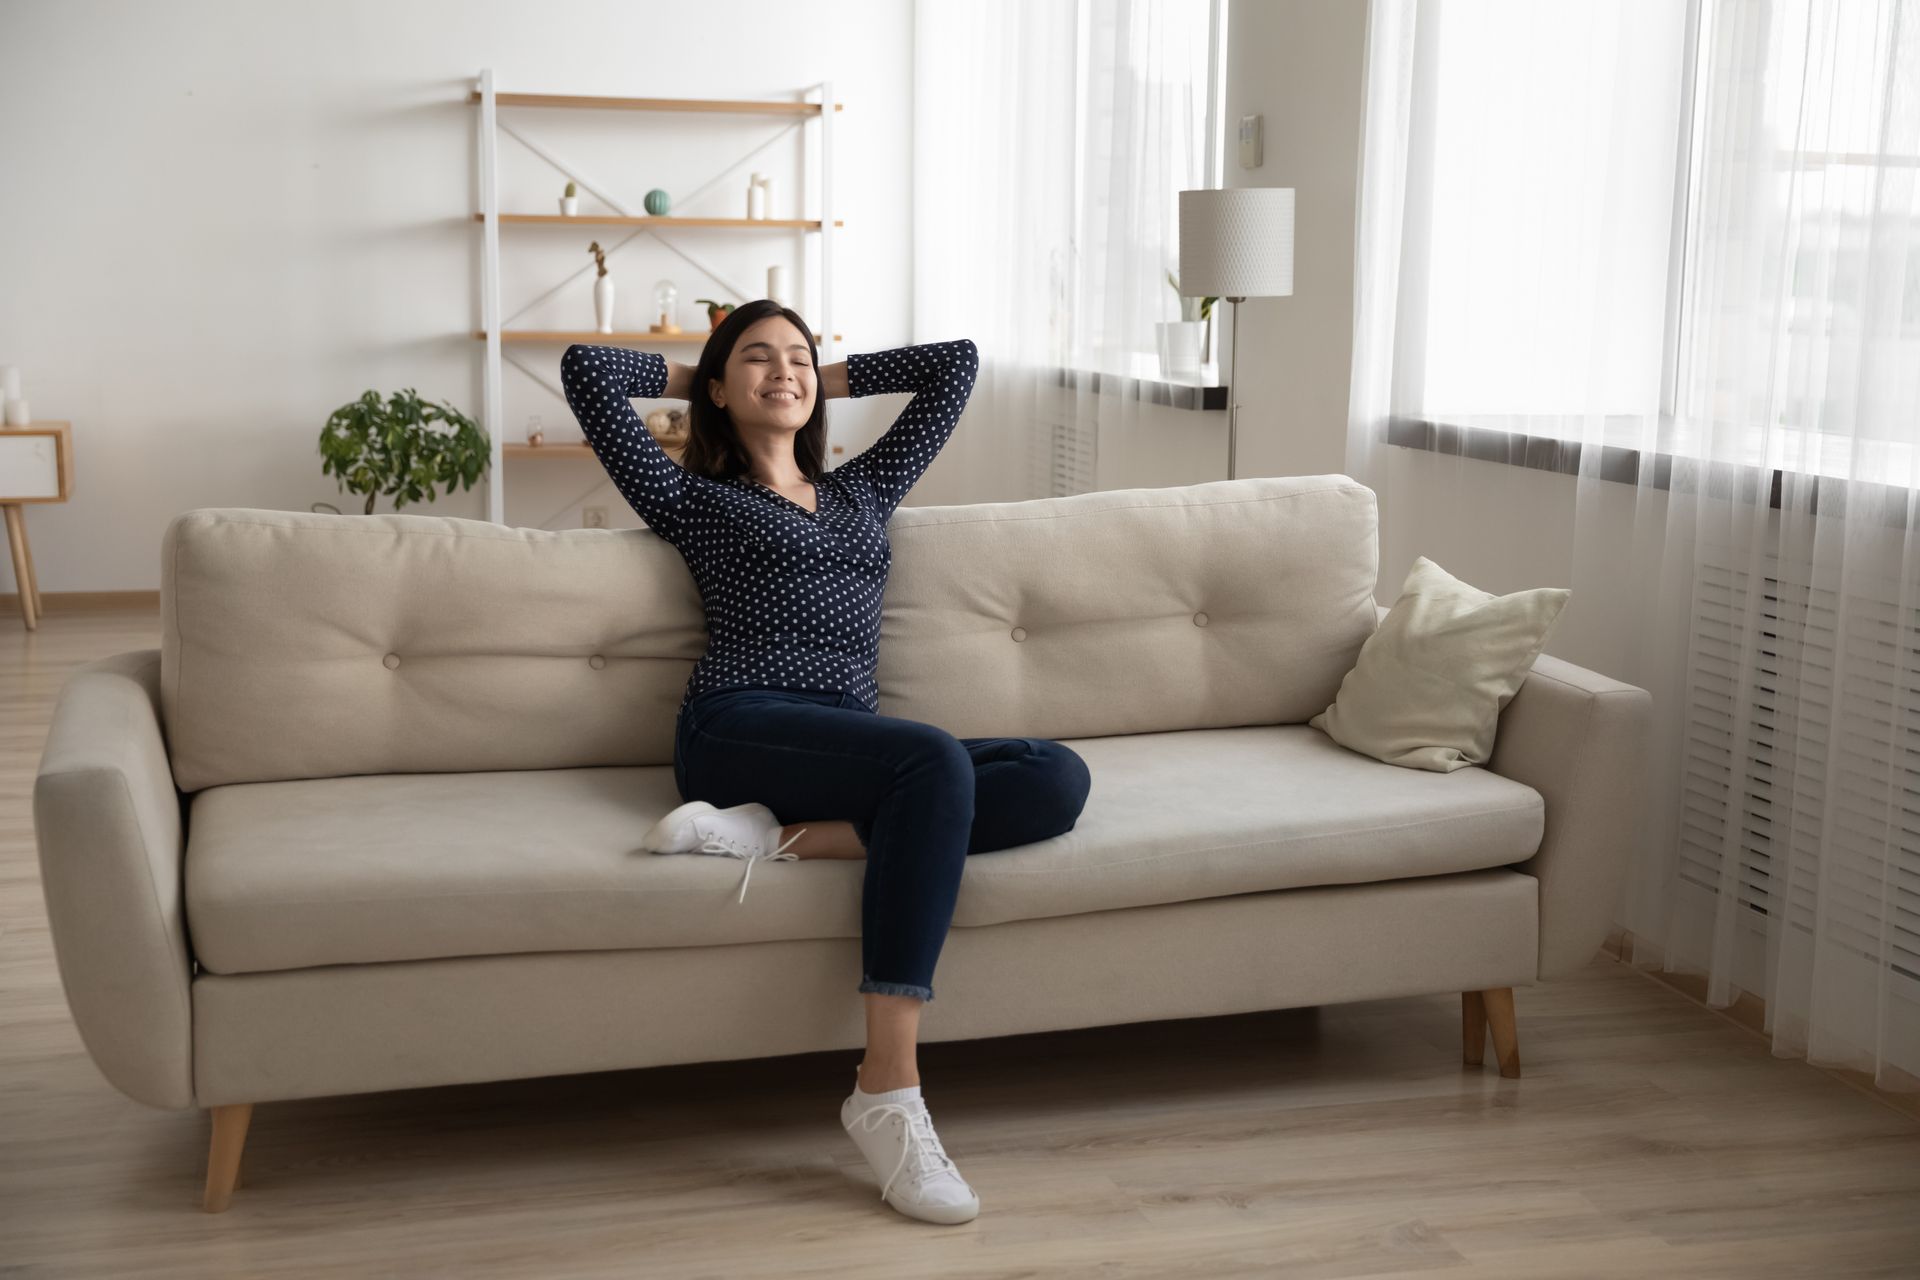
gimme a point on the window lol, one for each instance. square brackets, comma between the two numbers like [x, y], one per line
[1837, 214]
[1686, 228]
[1540, 288]
[1143, 115]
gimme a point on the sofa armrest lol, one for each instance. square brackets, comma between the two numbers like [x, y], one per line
[1580, 739]
[108, 823]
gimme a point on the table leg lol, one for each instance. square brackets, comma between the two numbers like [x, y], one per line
[26, 545]
[22, 567]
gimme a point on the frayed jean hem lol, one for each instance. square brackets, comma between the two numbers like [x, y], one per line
[868, 985]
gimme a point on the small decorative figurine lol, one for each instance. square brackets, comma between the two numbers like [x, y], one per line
[665, 308]
[602, 290]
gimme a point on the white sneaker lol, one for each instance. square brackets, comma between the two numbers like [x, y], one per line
[749, 831]
[915, 1173]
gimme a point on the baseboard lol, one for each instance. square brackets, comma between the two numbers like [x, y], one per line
[52, 602]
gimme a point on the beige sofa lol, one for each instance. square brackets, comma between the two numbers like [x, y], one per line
[368, 818]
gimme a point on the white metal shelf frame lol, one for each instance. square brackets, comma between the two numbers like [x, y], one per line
[820, 292]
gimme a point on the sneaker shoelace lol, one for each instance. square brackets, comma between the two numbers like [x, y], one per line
[729, 847]
[930, 1159]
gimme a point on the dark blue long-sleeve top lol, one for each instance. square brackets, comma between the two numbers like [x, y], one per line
[792, 596]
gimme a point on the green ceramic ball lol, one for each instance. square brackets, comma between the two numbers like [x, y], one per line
[657, 202]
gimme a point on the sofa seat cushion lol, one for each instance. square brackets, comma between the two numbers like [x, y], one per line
[387, 867]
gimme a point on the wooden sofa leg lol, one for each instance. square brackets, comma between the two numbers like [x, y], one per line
[1506, 1036]
[1490, 1010]
[1473, 1027]
[223, 1155]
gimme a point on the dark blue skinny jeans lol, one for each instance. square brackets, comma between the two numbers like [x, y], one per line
[920, 799]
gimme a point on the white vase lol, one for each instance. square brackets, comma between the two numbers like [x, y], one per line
[1180, 342]
[569, 205]
[603, 303]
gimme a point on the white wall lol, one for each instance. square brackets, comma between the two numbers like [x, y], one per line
[1297, 63]
[224, 219]
[1505, 528]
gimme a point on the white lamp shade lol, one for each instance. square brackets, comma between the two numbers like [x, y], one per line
[1236, 243]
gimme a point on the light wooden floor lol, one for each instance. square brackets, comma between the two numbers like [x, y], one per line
[1648, 1137]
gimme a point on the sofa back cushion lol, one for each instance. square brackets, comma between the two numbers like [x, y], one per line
[300, 645]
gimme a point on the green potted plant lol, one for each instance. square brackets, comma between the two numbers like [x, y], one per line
[717, 312]
[570, 200]
[392, 448]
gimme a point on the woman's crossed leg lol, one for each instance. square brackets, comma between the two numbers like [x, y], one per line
[917, 798]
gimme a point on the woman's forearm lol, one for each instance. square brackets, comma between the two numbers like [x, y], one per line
[679, 381]
[833, 380]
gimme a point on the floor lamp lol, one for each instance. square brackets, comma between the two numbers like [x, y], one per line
[1236, 244]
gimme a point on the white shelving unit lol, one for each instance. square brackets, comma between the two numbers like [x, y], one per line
[815, 107]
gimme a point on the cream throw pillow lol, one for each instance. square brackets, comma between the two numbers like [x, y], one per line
[1431, 680]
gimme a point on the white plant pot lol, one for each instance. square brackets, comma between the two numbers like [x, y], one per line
[1180, 344]
[603, 304]
[569, 205]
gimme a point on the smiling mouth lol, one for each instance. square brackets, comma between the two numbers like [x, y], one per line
[785, 396]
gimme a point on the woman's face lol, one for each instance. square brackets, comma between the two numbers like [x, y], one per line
[770, 379]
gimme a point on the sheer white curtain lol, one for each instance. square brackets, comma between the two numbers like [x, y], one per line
[1051, 138]
[1641, 283]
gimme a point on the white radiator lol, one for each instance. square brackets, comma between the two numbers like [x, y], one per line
[1792, 808]
[1064, 456]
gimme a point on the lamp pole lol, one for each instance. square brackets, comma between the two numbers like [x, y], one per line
[1233, 386]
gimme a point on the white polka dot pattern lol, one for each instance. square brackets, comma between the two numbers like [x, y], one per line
[792, 596]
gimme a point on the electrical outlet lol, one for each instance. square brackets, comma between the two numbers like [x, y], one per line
[593, 517]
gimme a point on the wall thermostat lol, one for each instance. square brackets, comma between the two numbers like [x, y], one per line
[1250, 142]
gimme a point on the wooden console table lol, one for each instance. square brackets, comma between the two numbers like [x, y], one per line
[36, 465]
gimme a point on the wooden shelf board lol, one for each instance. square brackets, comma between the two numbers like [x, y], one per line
[567, 449]
[610, 339]
[621, 220]
[722, 106]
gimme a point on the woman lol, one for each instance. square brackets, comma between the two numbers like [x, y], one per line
[779, 748]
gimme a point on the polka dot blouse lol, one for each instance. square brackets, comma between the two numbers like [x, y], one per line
[792, 596]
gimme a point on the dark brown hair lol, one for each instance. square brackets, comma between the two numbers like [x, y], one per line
[713, 442]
